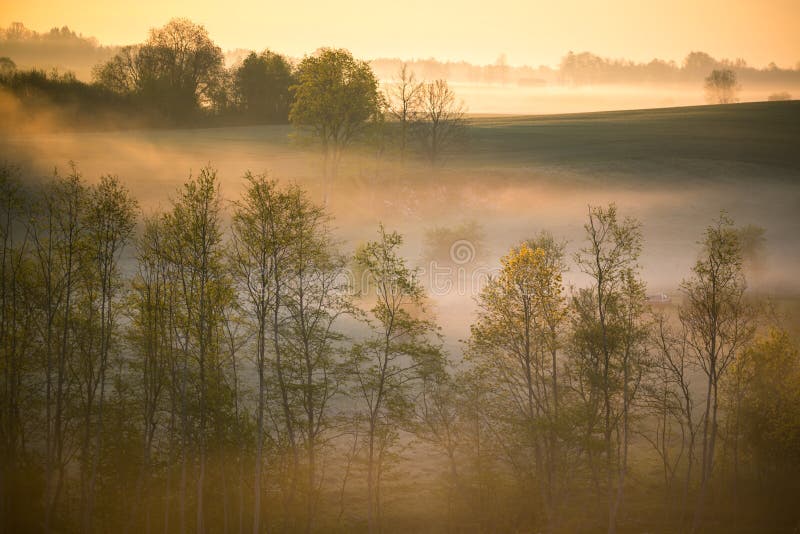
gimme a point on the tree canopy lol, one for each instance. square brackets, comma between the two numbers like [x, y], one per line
[335, 96]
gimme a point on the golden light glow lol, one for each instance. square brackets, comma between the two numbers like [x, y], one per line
[527, 31]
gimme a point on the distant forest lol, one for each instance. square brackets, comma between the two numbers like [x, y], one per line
[69, 81]
[179, 76]
[65, 50]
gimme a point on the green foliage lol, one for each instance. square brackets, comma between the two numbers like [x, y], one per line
[175, 71]
[60, 95]
[336, 96]
[771, 424]
[262, 84]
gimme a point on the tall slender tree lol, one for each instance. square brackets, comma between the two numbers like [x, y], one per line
[402, 348]
[520, 312]
[719, 324]
[109, 221]
[196, 251]
[609, 335]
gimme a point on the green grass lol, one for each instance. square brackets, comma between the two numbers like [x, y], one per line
[668, 145]
[691, 141]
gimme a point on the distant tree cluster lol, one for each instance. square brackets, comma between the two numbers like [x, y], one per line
[59, 48]
[178, 76]
[210, 368]
[500, 72]
[179, 72]
[586, 68]
[64, 101]
[721, 87]
[64, 49]
[779, 97]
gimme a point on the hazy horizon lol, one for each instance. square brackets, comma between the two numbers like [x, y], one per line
[524, 34]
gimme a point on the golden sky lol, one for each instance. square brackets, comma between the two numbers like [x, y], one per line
[528, 31]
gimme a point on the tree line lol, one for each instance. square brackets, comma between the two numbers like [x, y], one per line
[585, 68]
[58, 47]
[63, 48]
[215, 367]
[177, 77]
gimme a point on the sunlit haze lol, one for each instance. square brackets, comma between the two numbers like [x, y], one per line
[380, 267]
[528, 32]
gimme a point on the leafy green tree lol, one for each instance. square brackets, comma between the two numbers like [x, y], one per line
[196, 252]
[259, 256]
[315, 300]
[289, 276]
[109, 219]
[771, 431]
[175, 70]
[151, 325]
[262, 84]
[336, 96]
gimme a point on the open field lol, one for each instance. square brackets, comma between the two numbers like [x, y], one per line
[689, 141]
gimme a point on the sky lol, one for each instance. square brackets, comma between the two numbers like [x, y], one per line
[530, 32]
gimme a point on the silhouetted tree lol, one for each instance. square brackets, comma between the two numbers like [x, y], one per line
[721, 87]
[441, 120]
[175, 70]
[7, 66]
[262, 84]
[404, 98]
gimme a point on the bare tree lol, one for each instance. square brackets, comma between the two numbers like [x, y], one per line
[672, 399]
[441, 123]
[404, 98]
